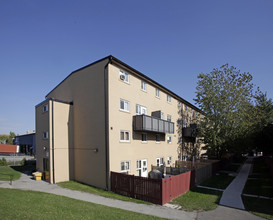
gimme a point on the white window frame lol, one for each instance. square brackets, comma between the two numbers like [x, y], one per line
[179, 121]
[169, 118]
[169, 99]
[144, 135]
[159, 161]
[45, 108]
[169, 139]
[157, 93]
[143, 86]
[141, 110]
[169, 160]
[126, 165]
[124, 135]
[45, 135]
[126, 105]
[138, 166]
[162, 115]
[126, 76]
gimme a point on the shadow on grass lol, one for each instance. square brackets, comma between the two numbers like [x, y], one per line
[258, 206]
[28, 168]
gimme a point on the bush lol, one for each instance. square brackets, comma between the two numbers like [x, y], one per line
[23, 162]
[3, 162]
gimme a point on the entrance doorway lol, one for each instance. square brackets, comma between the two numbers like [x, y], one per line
[142, 168]
[46, 168]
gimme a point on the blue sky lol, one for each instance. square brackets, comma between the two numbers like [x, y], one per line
[170, 41]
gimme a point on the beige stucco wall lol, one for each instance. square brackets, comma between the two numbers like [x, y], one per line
[63, 141]
[120, 120]
[43, 121]
[86, 89]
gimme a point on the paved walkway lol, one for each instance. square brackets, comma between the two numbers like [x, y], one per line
[232, 195]
[224, 213]
[27, 183]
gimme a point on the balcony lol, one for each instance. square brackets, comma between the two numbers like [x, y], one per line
[152, 124]
[190, 132]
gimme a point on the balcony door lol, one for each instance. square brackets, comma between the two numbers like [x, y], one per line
[141, 110]
[142, 168]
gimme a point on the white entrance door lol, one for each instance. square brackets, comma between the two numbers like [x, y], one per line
[142, 168]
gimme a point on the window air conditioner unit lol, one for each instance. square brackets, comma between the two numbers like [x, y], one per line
[122, 77]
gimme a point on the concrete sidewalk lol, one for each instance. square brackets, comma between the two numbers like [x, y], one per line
[232, 195]
[224, 213]
[27, 183]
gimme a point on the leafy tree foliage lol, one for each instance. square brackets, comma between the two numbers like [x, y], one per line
[7, 139]
[262, 133]
[225, 96]
[11, 137]
[4, 138]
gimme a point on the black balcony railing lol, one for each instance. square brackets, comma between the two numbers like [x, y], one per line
[152, 124]
[190, 132]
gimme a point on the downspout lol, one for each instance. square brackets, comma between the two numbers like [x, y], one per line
[53, 165]
[106, 100]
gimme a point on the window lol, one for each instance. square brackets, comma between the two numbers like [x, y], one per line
[45, 108]
[157, 138]
[143, 85]
[124, 105]
[169, 161]
[169, 139]
[178, 104]
[169, 118]
[186, 108]
[179, 140]
[157, 93]
[197, 114]
[141, 110]
[185, 124]
[144, 137]
[179, 122]
[124, 136]
[45, 135]
[159, 161]
[125, 166]
[169, 99]
[162, 115]
[138, 167]
[124, 76]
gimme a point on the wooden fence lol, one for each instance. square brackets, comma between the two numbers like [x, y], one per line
[137, 187]
[156, 191]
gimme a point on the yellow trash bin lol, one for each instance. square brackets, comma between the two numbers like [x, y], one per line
[37, 175]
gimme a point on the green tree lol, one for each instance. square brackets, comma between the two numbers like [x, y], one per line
[3, 138]
[262, 134]
[225, 96]
[11, 137]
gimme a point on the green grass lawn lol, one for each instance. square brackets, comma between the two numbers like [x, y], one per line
[17, 204]
[90, 189]
[218, 181]
[232, 167]
[6, 171]
[199, 199]
[262, 184]
[260, 207]
[259, 187]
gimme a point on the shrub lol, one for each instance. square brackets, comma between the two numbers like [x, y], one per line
[23, 162]
[3, 162]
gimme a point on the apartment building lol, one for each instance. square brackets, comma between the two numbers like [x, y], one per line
[105, 117]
